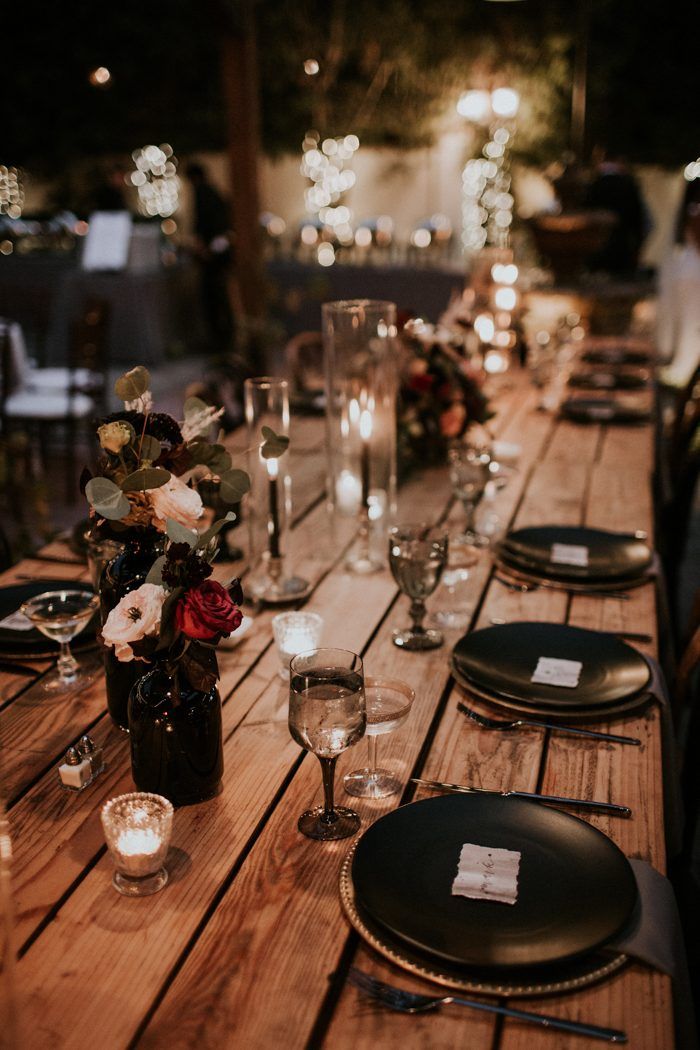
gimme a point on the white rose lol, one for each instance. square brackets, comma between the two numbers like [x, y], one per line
[176, 500]
[136, 616]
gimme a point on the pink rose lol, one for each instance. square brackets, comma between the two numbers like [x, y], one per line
[136, 616]
[178, 501]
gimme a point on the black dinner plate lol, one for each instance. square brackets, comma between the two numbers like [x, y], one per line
[576, 890]
[32, 643]
[501, 660]
[615, 355]
[611, 555]
[608, 380]
[602, 410]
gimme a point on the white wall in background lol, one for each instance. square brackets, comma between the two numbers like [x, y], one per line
[412, 185]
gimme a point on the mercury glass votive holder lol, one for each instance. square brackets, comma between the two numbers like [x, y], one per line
[295, 632]
[137, 829]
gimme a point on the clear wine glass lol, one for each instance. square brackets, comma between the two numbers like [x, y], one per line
[61, 615]
[388, 703]
[469, 474]
[417, 557]
[326, 715]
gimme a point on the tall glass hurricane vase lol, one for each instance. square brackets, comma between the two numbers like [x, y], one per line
[124, 573]
[361, 370]
[269, 503]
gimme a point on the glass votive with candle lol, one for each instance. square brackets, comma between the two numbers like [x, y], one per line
[295, 632]
[137, 829]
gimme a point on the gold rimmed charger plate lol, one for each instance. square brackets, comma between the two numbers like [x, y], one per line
[603, 713]
[600, 968]
[582, 586]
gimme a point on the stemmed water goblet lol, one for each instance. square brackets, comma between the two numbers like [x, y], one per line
[417, 558]
[60, 616]
[388, 704]
[327, 715]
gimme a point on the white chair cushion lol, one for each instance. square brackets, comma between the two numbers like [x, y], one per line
[57, 379]
[53, 405]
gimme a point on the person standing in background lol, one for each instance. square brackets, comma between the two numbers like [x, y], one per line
[615, 189]
[678, 318]
[214, 252]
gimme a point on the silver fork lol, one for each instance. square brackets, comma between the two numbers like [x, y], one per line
[518, 723]
[405, 1002]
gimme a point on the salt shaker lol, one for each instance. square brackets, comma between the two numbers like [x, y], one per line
[75, 771]
[95, 755]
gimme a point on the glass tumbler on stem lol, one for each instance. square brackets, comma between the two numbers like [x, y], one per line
[388, 704]
[417, 558]
[327, 715]
[60, 616]
[469, 473]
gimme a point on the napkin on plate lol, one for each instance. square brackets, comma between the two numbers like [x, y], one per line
[486, 873]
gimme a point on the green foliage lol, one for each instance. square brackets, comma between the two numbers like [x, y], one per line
[133, 384]
[274, 445]
[107, 499]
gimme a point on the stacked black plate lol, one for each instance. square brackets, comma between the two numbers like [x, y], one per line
[576, 893]
[496, 664]
[602, 410]
[615, 355]
[575, 557]
[608, 380]
[31, 644]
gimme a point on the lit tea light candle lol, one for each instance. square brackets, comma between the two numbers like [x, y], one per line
[365, 434]
[137, 830]
[274, 523]
[295, 632]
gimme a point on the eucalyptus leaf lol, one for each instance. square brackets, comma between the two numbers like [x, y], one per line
[150, 448]
[180, 533]
[167, 619]
[133, 384]
[193, 406]
[215, 529]
[155, 573]
[146, 478]
[215, 457]
[107, 499]
[234, 485]
[274, 445]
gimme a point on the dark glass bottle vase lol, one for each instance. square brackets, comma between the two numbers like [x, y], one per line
[122, 574]
[176, 738]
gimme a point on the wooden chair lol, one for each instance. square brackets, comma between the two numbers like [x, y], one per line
[43, 399]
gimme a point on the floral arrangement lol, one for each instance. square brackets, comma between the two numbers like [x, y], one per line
[179, 615]
[151, 464]
[441, 394]
[148, 474]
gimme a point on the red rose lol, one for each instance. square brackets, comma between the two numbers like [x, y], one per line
[207, 611]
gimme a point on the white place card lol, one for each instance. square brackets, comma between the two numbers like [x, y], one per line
[553, 671]
[569, 554]
[16, 621]
[486, 873]
[600, 412]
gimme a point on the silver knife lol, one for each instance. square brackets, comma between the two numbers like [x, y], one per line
[608, 807]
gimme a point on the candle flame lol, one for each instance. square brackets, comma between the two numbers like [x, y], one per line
[366, 425]
[272, 468]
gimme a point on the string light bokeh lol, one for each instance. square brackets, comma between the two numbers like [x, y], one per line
[325, 164]
[156, 180]
[11, 192]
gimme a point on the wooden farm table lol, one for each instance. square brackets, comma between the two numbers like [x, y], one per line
[247, 946]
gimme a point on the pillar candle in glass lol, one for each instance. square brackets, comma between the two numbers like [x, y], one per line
[361, 371]
[268, 505]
